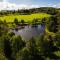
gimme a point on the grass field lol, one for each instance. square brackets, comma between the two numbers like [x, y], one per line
[10, 18]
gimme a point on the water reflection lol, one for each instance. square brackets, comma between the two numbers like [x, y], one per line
[28, 31]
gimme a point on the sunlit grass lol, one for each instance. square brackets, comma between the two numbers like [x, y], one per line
[26, 18]
[49, 33]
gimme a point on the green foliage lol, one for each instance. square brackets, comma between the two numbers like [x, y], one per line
[3, 28]
[23, 54]
[52, 11]
[17, 44]
[16, 21]
[30, 52]
[11, 34]
[35, 22]
[22, 22]
[52, 24]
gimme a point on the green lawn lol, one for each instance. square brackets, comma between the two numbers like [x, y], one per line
[10, 18]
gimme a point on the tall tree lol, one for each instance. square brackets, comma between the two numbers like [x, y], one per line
[52, 24]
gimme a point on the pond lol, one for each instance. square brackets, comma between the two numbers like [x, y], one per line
[28, 31]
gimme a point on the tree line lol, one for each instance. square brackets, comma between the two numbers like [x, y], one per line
[48, 10]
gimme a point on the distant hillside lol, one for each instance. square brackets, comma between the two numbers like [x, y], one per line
[48, 10]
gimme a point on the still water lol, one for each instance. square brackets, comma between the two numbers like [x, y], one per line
[28, 31]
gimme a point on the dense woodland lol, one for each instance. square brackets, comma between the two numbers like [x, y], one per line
[43, 47]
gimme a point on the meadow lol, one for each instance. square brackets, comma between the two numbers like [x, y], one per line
[26, 18]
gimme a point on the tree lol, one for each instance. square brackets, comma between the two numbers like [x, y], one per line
[23, 54]
[3, 28]
[44, 20]
[22, 21]
[57, 38]
[52, 11]
[32, 47]
[46, 47]
[35, 22]
[7, 47]
[11, 34]
[52, 24]
[17, 45]
[16, 21]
